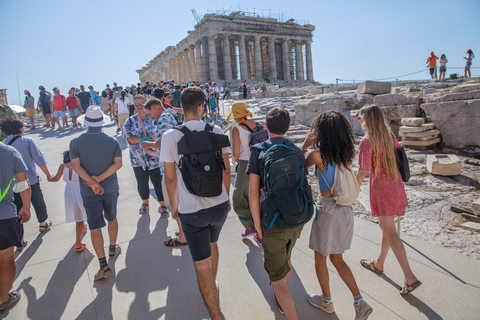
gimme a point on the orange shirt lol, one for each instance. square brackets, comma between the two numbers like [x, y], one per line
[58, 102]
[432, 61]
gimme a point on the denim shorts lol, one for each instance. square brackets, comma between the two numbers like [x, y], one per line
[432, 71]
[73, 112]
[58, 114]
[10, 233]
[202, 228]
[99, 206]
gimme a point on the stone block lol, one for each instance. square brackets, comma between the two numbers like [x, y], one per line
[420, 135]
[420, 143]
[413, 122]
[455, 96]
[444, 164]
[423, 127]
[466, 87]
[374, 87]
[396, 90]
[430, 137]
[428, 90]
[476, 207]
[316, 91]
[396, 99]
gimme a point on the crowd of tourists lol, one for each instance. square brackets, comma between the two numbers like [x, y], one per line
[188, 162]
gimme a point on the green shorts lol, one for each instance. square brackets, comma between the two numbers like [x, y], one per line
[277, 246]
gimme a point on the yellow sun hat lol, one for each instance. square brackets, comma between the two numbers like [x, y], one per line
[239, 110]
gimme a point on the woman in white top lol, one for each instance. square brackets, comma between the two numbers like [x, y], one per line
[443, 68]
[121, 108]
[241, 154]
[468, 64]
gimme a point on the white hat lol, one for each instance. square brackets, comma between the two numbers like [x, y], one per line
[94, 117]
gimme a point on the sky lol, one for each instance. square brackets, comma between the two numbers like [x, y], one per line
[58, 43]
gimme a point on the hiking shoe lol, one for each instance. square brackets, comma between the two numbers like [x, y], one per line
[249, 232]
[317, 301]
[278, 304]
[20, 249]
[102, 273]
[114, 254]
[257, 239]
[362, 311]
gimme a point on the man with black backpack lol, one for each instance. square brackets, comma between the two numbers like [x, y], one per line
[280, 202]
[200, 151]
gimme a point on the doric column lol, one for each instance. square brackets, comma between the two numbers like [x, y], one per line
[199, 62]
[191, 56]
[181, 68]
[167, 70]
[206, 60]
[299, 61]
[186, 65]
[258, 59]
[227, 62]
[243, 58]
[212, 59]
[273, 61]
[171, 64]
[285, 60]
[308, 53]
[177, 69]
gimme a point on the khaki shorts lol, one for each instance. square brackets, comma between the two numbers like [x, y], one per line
[30, 112]
[277, 246]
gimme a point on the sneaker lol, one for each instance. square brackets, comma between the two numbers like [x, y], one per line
[278, 304]
[257, 239]
[102, 273]
[317, 301]
[118, 130]
[114, 254]
[249, 232]
[362, 311]
[20, 249]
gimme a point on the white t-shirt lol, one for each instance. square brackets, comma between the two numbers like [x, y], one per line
[244, 136]
[189, 203]
[122, 105]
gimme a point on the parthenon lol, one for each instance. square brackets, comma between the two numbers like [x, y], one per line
[228, 48]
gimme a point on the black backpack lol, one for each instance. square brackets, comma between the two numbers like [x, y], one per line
[258, 135]
[175, 99]
[201, 164]
[288, 201]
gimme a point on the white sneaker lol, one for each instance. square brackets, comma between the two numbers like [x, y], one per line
[317, 301]
[362, 311]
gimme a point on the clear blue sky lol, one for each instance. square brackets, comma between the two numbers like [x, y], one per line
[68, 43]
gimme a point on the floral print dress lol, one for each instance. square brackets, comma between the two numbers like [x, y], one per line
[139, 156]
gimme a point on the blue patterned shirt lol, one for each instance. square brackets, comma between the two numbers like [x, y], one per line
[166, 122]
[139, 156]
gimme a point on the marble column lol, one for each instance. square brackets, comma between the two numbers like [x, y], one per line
[227, 62]
[186, 66]
[177, 71]
[171, 64]
[199, 62]
[273, 61]
[191, 56]
[212, 59]
[258, 59]
[243, 58]
[285, 60]
[167, 71]
[206, 60]
[299, 61]
[308, 53]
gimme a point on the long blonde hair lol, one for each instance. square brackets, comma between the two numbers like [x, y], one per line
[378, 132]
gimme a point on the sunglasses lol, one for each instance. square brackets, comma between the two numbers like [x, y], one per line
[359, 118]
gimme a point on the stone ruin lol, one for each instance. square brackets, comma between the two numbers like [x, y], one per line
[3, 97]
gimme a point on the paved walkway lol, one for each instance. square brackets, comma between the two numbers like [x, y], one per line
[152, 281]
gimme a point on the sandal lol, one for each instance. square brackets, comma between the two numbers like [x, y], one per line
[173, 242]
[164, 212]
[45, 227]
[13, 298]
[80, 247]
[144, 209]
[409, 287]
[370, 264]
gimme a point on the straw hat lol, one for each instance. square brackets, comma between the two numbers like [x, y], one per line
[239, 110]
[94, 117]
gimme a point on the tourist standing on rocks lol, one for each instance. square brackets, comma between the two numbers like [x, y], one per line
[387, 192]
[141, 127]
[468, 63]
[29, 106]
[443, 66]
[332, 229]
[241, 154]
[32, 157]
[96, 157]
[432, 65]
[44, 103]
[11, 167]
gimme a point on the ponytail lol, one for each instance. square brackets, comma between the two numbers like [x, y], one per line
[122, 93]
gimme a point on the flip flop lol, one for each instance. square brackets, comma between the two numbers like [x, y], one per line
[13, 298]
[45, 227]
[173, 242]
[370, 264]
[80, 247]
[409, 287]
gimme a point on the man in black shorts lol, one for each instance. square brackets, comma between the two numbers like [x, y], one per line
[44, 103]
[11, 167]
[85, 99]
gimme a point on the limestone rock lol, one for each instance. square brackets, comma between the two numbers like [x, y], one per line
[458, 121]
[374, 87]
[444, 164]
[466, 87]
[395, 114]
[394, 99]
[413, 122]
[420, 143]
[419, 135]
[423, 127]
[476, 207]
[455, 96]
[316, 90]
[428, 90]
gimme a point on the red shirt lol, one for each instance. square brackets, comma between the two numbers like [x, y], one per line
[167, 106]
[58, 101]
[72, 103]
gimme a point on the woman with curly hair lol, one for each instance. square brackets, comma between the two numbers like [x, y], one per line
[387, 192]
[332, 229]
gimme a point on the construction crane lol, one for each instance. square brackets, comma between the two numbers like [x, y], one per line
[195, 15]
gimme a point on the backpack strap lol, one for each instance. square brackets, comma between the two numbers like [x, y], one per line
[216, 146]
[13, 140]
[246, 126]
